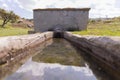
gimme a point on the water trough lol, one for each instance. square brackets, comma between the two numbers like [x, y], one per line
[103, 50]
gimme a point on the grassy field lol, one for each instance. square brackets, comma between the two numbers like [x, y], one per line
[102, 28]
[10, 31]
[13, 31]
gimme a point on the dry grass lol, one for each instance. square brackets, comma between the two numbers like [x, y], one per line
[10, 31]
[102, 28]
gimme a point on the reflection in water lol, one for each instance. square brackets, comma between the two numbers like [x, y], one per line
[45, 71]
[13, 65]
[60, 51]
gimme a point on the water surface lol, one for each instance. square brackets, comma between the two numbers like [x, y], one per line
[44, 71]
[56, 61]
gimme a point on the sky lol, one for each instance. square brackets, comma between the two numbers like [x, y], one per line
[99, 8]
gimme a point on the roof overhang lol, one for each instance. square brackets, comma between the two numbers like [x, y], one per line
[63, 9]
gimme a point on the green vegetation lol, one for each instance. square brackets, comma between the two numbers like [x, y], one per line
[59, 52]
[7, 16]
[10, 31]
[13, 31]
[109, 27]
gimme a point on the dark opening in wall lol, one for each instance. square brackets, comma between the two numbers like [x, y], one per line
[58, 35]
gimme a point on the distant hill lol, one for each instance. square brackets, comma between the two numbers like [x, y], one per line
[24, 23]
[10, 19]
[104, 20]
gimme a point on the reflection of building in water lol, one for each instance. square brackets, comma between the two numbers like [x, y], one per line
[61, 51]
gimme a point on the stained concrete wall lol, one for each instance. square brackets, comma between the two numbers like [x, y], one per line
[104, 49]
[8, 45]
[21, 57]
[47, 19]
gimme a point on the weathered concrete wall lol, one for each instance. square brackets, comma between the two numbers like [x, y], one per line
[8, 45]
[22, 56]
[47, 19]
[105, 49]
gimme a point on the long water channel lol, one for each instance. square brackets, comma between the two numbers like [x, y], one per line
[56, 59]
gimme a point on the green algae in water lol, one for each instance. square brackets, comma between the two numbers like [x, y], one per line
[61, 52]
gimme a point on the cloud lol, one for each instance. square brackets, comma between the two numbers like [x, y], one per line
[32, 4]
[16, 7]
[1, 1]
[99, 8]
[28, 5]
[117, 3]
[5, 6]
[104, 8]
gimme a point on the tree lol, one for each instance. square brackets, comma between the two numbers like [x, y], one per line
[7, 17]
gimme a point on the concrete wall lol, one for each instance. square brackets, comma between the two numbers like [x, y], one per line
[104, 49]
[9, 45]
[14, 63]
[47, 19]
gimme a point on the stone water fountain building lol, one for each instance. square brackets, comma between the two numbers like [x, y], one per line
[103, 51]
[63, 18]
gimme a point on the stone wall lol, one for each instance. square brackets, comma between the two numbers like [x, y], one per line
[9, 45]
[14, 63]
[104, 49]
[48, 19]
